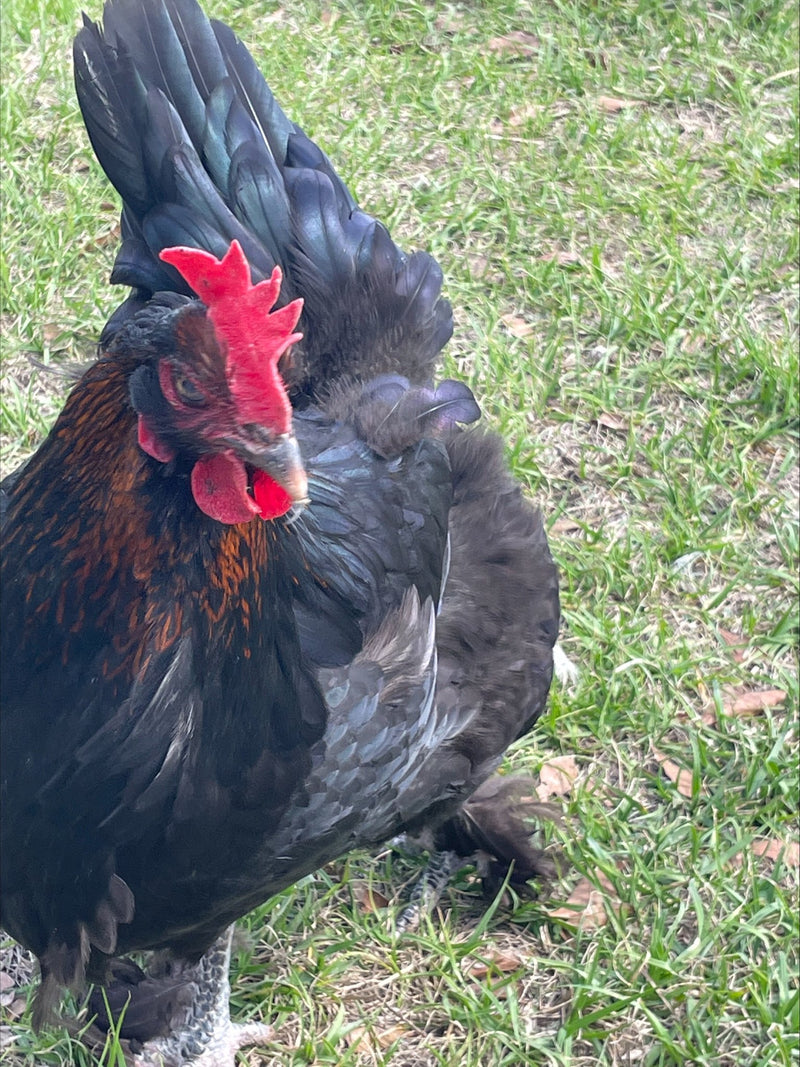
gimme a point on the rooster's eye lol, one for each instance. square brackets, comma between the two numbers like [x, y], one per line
[188, 392]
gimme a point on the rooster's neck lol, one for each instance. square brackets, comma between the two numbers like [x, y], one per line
[124, 562]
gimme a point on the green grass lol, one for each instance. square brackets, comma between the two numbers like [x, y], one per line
[626, 293]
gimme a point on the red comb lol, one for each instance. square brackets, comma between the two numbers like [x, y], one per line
[255, 339]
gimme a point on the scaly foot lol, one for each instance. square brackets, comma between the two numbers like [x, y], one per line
[207, 1038]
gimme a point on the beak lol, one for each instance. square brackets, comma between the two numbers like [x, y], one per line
[279, 457]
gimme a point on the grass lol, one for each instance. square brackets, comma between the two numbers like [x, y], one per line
[612, 191]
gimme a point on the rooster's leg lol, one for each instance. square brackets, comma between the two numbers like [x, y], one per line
[207, 1038]
[425, 894]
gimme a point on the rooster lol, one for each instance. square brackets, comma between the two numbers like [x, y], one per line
[264, 598]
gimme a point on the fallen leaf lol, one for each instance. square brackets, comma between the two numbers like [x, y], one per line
[497, 960]
[516, 43]
[734, 641]
[478, 265]
[753, 702]
[565, 526]
[773, 848]
[693, 343]
[518, 115]
[730, 638]
[613, 104]
[557, 777]
[96, 244]
[708, 712]
[369, 899]
[677, 774]
[587, 905]
[373, 1041]
[516, 325]
[737, 702]
[51, 331]
[562, 257]
[612, 422]
[449, 23]
[16, 1008]
[708, 716]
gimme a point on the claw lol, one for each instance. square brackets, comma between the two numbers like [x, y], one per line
[220, 1051]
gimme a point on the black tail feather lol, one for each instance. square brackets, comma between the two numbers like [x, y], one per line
[149, 1006]
[189, 133]
[500, 820]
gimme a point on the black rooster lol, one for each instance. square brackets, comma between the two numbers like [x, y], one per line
[263, 599]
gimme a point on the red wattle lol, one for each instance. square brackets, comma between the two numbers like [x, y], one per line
[271, 498]
[219, 487]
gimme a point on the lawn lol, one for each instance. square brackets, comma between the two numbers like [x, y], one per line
[612, 192]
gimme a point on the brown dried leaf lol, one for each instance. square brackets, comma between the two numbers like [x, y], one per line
[96, 244]
[612, 422]
[518, 115]
[368, 898]
[693, 343]
[557, 777]
[372, 1042]
[478, 265]
[16, 1009]
[586, 907]
[773, 848]
[8, 989]
[51, 331]
[562, 257]
[329, 16]
[708, 716]
[677, 774]
[564, 526]
[613, 104]
[451, 22]
[753, 702]
[734, 641]
[517, 325]
[496, 960]
[515, 43]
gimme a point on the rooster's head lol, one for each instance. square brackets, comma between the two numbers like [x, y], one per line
[213, 390]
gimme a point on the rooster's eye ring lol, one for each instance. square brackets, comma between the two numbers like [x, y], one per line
[187, 391]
